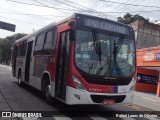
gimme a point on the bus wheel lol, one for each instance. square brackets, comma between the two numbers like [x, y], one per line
[46, 92]
[20, 83]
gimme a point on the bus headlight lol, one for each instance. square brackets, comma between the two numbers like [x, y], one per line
[78, 84]
[131, 88]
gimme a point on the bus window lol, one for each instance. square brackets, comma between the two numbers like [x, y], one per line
[55, 33]
[39, 44]
[23, 48]
[19, 50]
[48, 43]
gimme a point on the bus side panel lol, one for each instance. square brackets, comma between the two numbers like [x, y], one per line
[51, 65]
[20, 63]
[14, 59]
[40, 65]
[44, 59]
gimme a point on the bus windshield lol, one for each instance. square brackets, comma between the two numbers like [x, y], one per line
[105, 55]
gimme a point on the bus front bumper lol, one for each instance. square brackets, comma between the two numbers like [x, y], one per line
[75, 96]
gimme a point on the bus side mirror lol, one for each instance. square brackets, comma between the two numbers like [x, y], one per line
[72, 35]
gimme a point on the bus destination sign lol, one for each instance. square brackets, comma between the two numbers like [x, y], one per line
[105, 25]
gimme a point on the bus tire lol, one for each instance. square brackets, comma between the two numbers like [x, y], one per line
[46, 91]
[20, 83]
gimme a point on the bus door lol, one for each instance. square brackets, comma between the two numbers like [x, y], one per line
[28, 60]
[62, 66]
[14, 60]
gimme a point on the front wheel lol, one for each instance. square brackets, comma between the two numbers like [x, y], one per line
[47, 94]
[20, 83]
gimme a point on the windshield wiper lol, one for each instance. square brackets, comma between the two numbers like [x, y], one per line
[89, 71]
[97, 45]
[117, 46]
[114, 51]
[98, 50]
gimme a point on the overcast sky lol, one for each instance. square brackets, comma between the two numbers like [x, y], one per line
[32, 17]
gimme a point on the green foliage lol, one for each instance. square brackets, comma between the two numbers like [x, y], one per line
[6, 46]
[128, 18]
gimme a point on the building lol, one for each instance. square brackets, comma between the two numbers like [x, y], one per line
[148, 56]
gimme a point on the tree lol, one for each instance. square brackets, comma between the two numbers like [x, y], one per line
[128, 18]
[6, 46]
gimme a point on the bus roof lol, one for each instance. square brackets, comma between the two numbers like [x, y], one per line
[73, 16]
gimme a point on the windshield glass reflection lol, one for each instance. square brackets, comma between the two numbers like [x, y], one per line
[104, 55]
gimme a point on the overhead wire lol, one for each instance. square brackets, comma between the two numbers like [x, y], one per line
[21, 21]
[40, 5]
[119, 6]
[35, 15]
[79, 8]
[56, 7]
[56, 3]
[22, 13]
[76, 7]
[72, 5]
[129, 4]
[49, 6]
[97, 13]
[16, 12]
[89, 10]
[128, 7]
[124, 6]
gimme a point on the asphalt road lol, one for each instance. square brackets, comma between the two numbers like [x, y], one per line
[15, 98]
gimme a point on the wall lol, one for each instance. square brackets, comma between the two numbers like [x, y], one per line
[146, 34]
[148, 57]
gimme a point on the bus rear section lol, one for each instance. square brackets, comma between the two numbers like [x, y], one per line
[91, 61]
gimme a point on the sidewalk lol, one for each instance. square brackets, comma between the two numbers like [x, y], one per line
[147, 100]
[3, 104]
[6, 66]
[148, 95]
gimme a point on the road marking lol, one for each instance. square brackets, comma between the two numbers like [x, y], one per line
[96, 117]
[139, 108]
[30, 118]
[148, 99]
[136, 107]
[153, 118]
[127, 118]
[64, 117]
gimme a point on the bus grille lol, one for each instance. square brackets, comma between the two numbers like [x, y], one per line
[101, 98]
[102, 81]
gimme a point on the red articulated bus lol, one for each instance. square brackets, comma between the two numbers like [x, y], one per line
[81, 60]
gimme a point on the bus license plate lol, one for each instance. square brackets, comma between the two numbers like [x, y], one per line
[108, 102]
